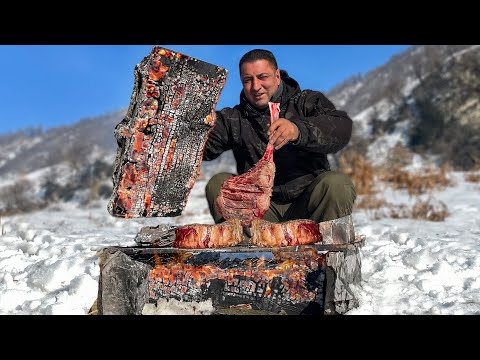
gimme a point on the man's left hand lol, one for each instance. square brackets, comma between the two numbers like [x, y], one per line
[281, 132]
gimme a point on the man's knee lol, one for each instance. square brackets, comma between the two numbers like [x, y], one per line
[333, 186]
[212, 189]
[211, 192]
[336, 181]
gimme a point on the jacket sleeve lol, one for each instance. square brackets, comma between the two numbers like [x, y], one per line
[218, 139]
[322, 128]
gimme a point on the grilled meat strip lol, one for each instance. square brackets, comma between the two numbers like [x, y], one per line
[201, 236]
[289, 233]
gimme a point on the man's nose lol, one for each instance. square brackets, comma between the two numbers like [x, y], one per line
[256, 85]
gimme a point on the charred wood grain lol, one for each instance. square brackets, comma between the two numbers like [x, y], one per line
[162, 137]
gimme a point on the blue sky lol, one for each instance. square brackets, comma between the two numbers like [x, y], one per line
[53, 85]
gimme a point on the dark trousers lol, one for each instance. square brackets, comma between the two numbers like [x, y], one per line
[330, 196]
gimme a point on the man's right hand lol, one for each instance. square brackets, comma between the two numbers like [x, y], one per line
[281, 132]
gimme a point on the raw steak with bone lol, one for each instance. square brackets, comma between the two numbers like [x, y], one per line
[247, 196]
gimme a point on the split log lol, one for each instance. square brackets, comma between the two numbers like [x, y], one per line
[162, 137]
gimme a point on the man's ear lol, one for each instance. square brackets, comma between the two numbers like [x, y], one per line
[277, 75]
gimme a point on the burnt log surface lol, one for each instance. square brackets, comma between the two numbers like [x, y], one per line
[160, 235]
[124, 279]
[338, 231]
[123, 284]
[162, 137]
[346, 266]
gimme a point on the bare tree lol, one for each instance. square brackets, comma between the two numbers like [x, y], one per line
[77, 155]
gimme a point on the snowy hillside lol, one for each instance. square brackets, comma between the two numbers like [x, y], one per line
[424, 99]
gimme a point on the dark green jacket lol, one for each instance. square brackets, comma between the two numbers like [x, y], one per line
[243, 129]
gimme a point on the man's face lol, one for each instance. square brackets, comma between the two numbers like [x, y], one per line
[260, 81]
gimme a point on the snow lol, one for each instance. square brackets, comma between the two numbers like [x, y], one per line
[48, 262]
[461, 52]
[9, 152]
[410, 85]
[362, 121]
[347, 93]
[423, 267]
[380, 111]
[379, 149]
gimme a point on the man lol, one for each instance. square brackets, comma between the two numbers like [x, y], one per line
[309, 127]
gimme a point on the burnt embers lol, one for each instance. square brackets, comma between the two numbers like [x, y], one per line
[278, 283]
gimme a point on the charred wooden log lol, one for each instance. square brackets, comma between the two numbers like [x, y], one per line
[123, 284]
[338, 231]
[345, 274]
[160, 236]
[162, 137]
[276, 283]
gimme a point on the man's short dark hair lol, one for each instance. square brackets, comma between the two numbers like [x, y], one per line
[258, 54]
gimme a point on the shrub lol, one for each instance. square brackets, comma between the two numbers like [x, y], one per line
[472, 177]
[359, 170]
[418, 183]
[431, 209]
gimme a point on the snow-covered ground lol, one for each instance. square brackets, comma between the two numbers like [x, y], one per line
[423, 267]
[48, 262]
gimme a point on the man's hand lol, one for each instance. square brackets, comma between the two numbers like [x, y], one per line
[281, 132]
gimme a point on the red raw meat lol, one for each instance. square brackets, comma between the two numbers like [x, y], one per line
[247, 196]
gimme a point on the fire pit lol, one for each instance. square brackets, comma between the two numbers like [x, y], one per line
[303, 279]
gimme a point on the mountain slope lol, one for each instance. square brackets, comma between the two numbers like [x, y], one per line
[424, 100]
